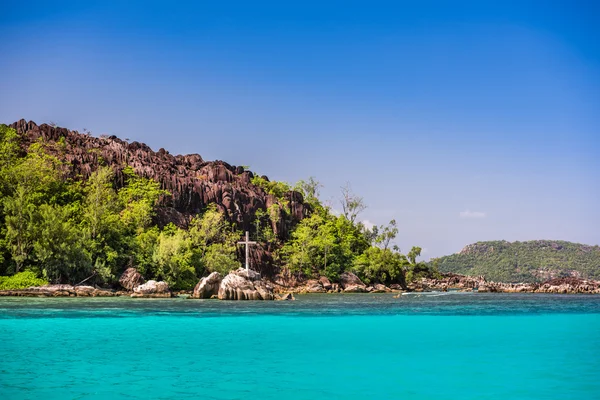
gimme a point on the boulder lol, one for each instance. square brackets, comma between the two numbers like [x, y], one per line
[355, 289]
[243, 284]
[131, 278]
[152, 289]
[352, 283]
[314, 286]
[379, 288]
[325, 283]
[208, 286]
[264, 289]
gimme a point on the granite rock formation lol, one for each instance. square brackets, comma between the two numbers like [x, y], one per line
[352, 283]
[152, 289]
[245, 285]
[208, 286]
[131, 278]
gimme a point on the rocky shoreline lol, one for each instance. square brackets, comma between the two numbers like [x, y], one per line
[567, 285]
[249, 285]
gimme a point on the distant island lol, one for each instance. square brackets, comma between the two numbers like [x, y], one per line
[530, 261]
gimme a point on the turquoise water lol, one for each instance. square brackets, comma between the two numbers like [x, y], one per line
[455, 346]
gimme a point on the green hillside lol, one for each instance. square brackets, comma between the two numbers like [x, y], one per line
[531, 261]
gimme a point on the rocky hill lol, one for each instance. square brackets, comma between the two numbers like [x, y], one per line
[193, 182]
[531, 261]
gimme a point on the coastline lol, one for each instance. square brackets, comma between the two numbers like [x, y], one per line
[449, 282]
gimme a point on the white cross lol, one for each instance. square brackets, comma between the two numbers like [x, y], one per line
[247, 243]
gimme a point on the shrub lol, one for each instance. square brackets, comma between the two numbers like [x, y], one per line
[21, 280]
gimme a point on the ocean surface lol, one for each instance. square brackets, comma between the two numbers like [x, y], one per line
[427, 346]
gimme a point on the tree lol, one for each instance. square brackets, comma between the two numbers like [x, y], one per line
[101, 209]
[310, 190]
[29, 182]
[174, 258]
[102, 228]
[215, 240]
[58, 252]
[380, 265]
[352, 205]
[139, 197]
[386, 234]
[220, 257]
[10, 153]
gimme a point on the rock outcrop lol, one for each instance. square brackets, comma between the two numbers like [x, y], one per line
[314, 286]
[479, 283]
[352, 283]
[245, 285]
[208, 286]
[380, 288]
[131, 278]
[193, 182]
[324, 281]
[448, 282]
[60, 291]
[152, 289]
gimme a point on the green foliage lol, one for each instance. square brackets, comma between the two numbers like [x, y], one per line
[323, 244]
[220, 257]
[174, 258]
[21, 280]
[29, 182]
[58, 249]
[418, 269]
[104, 234]
[531, 261]
[352, 205]
[381, 265]
[310, 190]
[276, 188]
[215, 240]
[139, 198]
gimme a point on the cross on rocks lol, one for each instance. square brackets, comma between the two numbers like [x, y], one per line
[247, 243]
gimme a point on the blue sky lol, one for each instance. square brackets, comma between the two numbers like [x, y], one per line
[463, 120]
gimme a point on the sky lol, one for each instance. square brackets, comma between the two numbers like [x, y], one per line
[462, 120]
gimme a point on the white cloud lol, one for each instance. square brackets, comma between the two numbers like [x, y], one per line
[368, 224]
[472, 214]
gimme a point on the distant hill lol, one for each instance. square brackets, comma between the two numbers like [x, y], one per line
[531, 261]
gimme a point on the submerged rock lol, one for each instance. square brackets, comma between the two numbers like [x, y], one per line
[208, 286]
[287, 296]
[152, 289]
[243, 284]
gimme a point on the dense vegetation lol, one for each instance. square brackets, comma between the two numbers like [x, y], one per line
[60, 230]
[531, 261]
